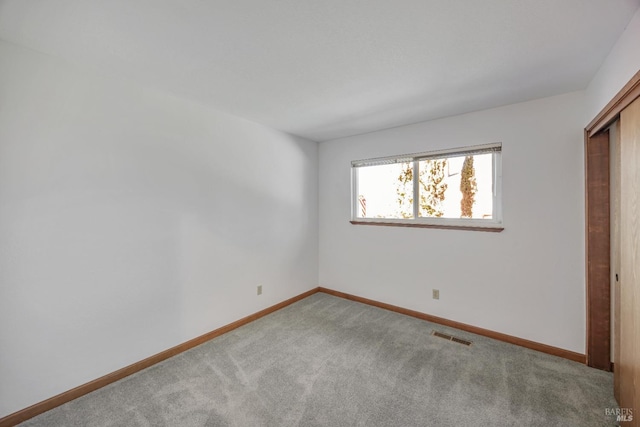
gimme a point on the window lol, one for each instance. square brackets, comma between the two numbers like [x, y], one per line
[458, 188]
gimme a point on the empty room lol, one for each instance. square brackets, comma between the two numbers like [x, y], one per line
[320, 213]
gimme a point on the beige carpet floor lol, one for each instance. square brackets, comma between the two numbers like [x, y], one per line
[326, 361]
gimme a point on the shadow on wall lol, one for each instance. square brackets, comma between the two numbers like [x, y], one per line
[141, 246]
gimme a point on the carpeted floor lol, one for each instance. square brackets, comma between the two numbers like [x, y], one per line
[326, 361]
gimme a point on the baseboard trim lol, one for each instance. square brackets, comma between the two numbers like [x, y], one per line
[67, 396]
[544, 348]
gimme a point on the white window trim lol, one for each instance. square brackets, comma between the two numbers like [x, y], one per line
[493, 224]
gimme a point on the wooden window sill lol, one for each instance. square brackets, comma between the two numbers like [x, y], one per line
[493, 229]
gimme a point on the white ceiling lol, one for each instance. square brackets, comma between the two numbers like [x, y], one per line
[325, 69]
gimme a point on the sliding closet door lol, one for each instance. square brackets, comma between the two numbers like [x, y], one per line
[614, 181]
[629, 375]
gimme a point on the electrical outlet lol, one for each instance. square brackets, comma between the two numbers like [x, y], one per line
[436, 294]
[259, 289]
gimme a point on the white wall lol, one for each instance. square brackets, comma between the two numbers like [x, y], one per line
[132, 221]
[621, 64]
[527, 281]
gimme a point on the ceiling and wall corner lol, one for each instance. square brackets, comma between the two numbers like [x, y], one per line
[622, 62]
[329, 69]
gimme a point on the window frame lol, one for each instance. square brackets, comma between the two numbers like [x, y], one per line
[476, 224]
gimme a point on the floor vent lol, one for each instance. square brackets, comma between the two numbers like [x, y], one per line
[451, 338]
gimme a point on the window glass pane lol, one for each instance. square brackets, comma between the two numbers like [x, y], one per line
[385, 191]
[457, 187]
